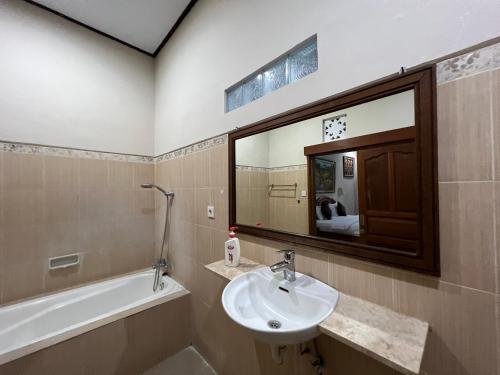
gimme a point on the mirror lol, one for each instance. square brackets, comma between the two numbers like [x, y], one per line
[271, 168]
[350, 176]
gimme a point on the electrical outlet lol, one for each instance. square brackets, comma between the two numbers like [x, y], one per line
[211, 212]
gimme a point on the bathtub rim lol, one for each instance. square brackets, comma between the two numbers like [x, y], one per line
[88, 325]
[76, 286]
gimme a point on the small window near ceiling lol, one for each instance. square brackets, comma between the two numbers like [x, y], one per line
[292, 66]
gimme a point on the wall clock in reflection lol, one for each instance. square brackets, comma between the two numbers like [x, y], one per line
[335, 128]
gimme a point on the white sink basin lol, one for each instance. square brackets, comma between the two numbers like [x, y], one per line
[277, 311]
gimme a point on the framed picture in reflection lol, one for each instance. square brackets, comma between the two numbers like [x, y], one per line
[324, 175]
[348, 166]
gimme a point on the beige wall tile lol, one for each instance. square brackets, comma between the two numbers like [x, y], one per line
[94, 174]
[94, 235]
[249, 249]
[61, 278]
[22, 281]
[121, 175]
[496, 119]
[94, 204]
[464, 129]
[461, 340]
[219, 166]
[220, 201]
[341, 359]
[183, 205]
[201, 169]
[204, 244]
[64, 205]
[22, 244]
[208, 287]
[121, 203]
[203, 198]
[143, 173]
[2, 265]
[186, 168]
[183, 238]
[497, 234]
[497, 297]
[313, 263]
[184, 269]
[467, 234]
[22, 207]
[205, 332]
[364, 280]
[175, 175]
[22, 171]
[59, 238]
[95, 265]
[60, 173]
[144, 203]
[60, 205]
[238, 354]
[218, 246]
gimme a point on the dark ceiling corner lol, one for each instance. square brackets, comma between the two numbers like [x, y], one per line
[156, 52]
[176, 25]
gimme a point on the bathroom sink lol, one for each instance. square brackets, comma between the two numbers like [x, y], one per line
[278, 311]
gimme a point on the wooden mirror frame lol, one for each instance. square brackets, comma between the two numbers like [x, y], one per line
[422, 80]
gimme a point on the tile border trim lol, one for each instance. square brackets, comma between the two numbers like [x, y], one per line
[26, 148]
[468, 64]
[204, 145]
[34, 149]
[250, 168]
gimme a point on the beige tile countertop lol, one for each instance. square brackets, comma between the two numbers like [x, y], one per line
[394, 339]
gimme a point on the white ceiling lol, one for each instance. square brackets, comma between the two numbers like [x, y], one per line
[141, 23]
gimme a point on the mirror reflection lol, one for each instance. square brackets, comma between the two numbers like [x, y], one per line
[346, 193]
[336, 194]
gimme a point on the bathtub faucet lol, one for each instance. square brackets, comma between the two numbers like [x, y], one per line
[160, 267]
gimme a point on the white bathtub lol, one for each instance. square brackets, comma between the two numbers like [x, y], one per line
[29, 326]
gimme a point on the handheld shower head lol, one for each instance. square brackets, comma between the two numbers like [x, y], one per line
[150, 186]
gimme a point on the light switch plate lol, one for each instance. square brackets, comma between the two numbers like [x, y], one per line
[211, 212]
[303, 193]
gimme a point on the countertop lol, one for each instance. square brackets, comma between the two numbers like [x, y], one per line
[394, 339]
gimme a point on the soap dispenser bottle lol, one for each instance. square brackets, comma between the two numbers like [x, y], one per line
[232, 249]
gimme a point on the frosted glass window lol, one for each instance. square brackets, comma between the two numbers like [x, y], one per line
[275, 76]
[292, 66]
[303, 62]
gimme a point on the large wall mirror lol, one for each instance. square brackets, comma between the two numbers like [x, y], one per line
[354, 173]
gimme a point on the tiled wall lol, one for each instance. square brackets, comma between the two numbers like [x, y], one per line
[200, 179]
[289, 214]
[57, 201]
[462, 307]
[252, 189]
[282, 208]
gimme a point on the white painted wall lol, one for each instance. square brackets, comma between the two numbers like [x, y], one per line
[63, 85]
[222, 41]
[253, 151]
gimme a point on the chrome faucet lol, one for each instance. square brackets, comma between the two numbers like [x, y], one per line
[160, 268]
[161, 265]
[287, 265]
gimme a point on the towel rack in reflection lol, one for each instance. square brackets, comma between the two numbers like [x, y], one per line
[283, 188]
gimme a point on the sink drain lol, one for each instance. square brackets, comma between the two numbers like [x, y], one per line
[274, 324]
